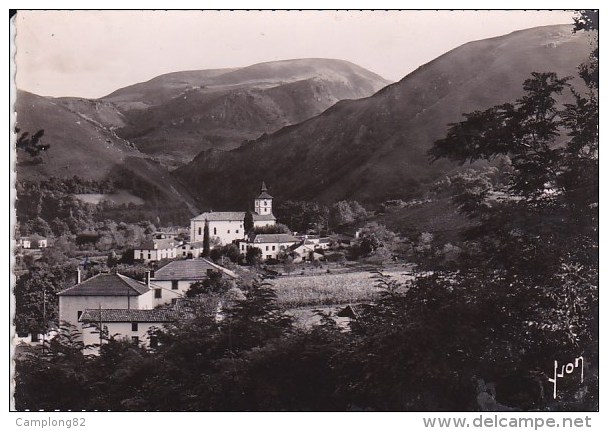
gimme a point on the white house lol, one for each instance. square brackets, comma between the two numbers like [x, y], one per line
[228, 226]
[191, 249]
[130, 324]
[304, 251]
[177, 276]
[35, 241]
[156, 249]
[270, 244]
[106, 291]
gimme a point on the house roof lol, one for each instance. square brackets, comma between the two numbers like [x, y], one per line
[189, 269]
[274, 237]
[196, 244]
[157, 244]
[107, 285]
[221, 216]
[129, 315]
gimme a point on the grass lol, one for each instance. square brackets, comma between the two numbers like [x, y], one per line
[327, 289]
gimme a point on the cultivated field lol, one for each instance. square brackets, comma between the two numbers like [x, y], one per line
[329, 289]
[121, 197]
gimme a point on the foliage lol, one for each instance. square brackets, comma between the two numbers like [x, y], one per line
[206, 239]
[345, 213]
[215, 283]
[248, 222]
[276, 228]
[253, 256]
[31, 144]
[302, 216]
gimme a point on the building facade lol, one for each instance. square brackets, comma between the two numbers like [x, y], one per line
[228, 226]
[106, 291]
[176, 277]
[271, 244]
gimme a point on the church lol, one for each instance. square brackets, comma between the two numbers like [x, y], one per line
[228, 226]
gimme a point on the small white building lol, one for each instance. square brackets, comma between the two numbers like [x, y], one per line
[176, 277]
[106, 291]
[133, 325]
[191, 249]
[270, 244]
[228, 226]
[34, 241]
[304, 251]
[156, 249]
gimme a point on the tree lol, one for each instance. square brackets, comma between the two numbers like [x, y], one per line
[253, 256]
[206, 239]
[213, 284]
[276, 228]
[248, 222]
[31, 144]
[346, 212]
[533, 253]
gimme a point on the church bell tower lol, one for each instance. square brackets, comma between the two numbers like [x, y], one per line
[263, 203]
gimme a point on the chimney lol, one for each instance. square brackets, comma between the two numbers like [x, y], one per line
[78, 276]
[148, 278]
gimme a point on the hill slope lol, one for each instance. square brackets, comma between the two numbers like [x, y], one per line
[81, 146]
[175, 116]
[375, 148]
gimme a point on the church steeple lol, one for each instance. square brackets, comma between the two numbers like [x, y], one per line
[263, 203]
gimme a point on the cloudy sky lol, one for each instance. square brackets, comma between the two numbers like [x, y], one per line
[92, 53]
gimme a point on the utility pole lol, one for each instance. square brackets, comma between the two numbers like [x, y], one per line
[43, 321]
[100, 329]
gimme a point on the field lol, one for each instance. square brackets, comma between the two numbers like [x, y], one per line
[119, 198]
[330, 289]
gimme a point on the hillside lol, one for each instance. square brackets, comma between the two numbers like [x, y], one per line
[80, 146]
[375, 148]
[174, 116]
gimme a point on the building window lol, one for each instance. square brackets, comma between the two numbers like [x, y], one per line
[228, 231]
[149, 256]
[79, 314]
[157, 293]
[135, 340]
[237, 231]
[174, 284]
[266, 248]
[273, 248]
[134, 327]
[214, 231]
[200, 231]
[268, 256]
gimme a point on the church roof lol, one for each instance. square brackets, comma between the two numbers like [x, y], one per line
[232, 216]
[264, 195]
[221, 216]
[263, 217]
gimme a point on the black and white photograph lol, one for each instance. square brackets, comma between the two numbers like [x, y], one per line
[306, 211]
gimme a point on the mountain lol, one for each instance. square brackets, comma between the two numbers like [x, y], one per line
[174, 116]
[375, 148]
[82, 146]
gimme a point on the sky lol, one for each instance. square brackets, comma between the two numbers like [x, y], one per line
[92, 53]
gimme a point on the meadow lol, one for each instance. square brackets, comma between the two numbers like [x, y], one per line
[330, 289]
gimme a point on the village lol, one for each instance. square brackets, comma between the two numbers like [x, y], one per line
[308, 271]
[360, 229]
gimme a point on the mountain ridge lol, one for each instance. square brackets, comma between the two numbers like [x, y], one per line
[375, 148]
